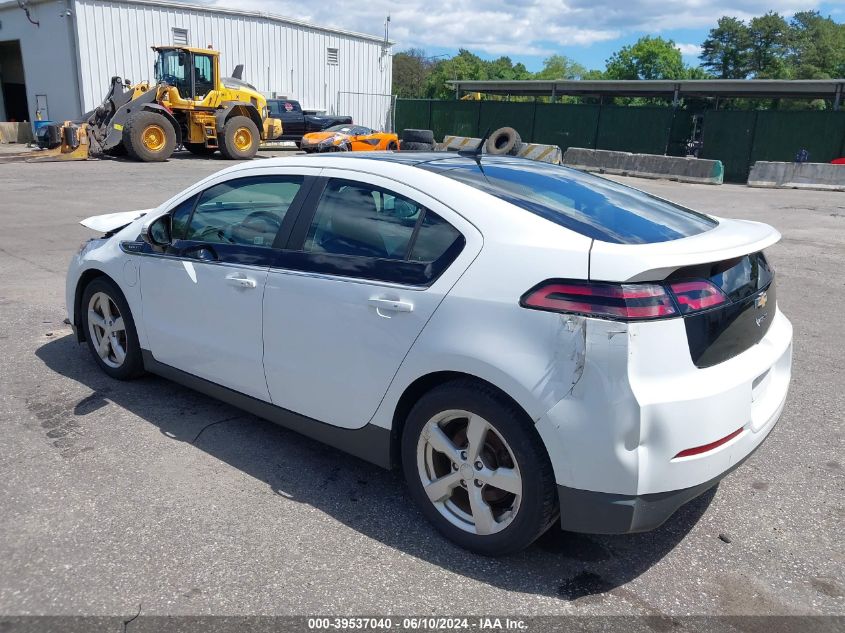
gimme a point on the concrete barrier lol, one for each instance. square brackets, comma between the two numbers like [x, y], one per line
[15, 132]
[534, 151]
[698, 170]
[797, 176]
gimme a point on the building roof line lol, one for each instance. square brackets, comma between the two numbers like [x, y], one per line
[186, 6]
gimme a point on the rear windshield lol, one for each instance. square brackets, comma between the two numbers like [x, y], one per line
[592, 206]
[738, 278]
[277, 106]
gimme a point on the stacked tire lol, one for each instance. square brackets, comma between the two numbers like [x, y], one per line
[504, 141]
[417, 140]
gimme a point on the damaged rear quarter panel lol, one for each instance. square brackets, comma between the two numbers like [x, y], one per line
[593, 433]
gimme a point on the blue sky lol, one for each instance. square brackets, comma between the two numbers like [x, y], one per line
[588, 31]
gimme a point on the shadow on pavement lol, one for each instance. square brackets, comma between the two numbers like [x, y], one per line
[364, 497]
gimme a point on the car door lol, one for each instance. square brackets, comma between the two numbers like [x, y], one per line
[368, 262]
[293, 119]
[202, 296]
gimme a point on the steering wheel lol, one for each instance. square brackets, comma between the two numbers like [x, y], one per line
[266, 216]
[212, 230]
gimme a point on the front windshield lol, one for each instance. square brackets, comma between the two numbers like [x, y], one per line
[343, 129]
[171, 68]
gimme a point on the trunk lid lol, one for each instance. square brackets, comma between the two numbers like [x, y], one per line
[728, 256]
[657, 260]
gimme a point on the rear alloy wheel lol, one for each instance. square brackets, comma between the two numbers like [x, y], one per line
[240, 139]
[477, 488]
[149, 137]
[477, 469]
[110, 330]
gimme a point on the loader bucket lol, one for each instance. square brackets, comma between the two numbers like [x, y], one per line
[73, 146]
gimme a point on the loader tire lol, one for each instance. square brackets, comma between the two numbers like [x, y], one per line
[199, 149]
[149, 137]
[240, 139]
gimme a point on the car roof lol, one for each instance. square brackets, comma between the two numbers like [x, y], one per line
[402, 159]
[415, 158]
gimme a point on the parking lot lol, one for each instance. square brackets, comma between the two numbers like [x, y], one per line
[120, 496]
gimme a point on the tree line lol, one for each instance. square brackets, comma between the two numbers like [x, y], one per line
[808, 46]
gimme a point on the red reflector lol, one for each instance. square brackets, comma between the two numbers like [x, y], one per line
[603, 300]
[693, 296]
[709, 447]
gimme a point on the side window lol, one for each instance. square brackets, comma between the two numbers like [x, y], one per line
[354, 218]
[434, 239]
[180, 217]
[203, 75]
[246, 211]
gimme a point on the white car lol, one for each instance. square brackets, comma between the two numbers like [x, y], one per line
[529, 343]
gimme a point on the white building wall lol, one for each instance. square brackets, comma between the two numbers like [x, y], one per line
[279, 56]
[48, 58]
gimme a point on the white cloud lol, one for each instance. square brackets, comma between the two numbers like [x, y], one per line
[690, 50]
[517, 27]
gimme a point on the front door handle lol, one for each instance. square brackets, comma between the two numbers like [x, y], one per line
[390, 305]
[241, 281]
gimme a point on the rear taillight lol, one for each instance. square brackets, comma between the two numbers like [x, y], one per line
[693, 296]
[627, 302]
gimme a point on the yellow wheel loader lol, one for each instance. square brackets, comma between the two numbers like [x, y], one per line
[189, 105]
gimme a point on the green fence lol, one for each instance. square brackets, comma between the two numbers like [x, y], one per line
[736, 137]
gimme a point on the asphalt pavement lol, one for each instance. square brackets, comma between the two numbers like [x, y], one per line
[116, 497]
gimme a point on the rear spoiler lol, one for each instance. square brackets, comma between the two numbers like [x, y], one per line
[655, 261]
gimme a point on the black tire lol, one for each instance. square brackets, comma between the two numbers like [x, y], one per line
[418, 147]
[198, 149]
[418, 136]
[538, 508]
[133, 364]
[138, 126]
[505, 140]
[392, 146]
[228, 145]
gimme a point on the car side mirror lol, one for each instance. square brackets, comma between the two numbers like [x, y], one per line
[158, 232]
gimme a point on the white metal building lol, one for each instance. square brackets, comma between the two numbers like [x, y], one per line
[61, 67]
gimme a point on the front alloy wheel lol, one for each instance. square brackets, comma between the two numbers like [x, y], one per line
[107, 330]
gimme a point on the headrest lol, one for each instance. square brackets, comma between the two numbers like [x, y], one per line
[353, 218]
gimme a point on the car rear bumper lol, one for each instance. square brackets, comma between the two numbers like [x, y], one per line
[619, 442]
[607, 513]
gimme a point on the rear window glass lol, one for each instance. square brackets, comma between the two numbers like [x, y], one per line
[592, 206]
[738, 278]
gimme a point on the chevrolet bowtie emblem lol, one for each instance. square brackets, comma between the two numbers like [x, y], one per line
[762, 300]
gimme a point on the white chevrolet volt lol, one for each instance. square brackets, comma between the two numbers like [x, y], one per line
[528, 343]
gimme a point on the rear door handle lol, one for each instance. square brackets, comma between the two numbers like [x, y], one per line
[241, 281]
[390, 305]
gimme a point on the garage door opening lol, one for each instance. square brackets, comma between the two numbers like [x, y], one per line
[13, 103]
